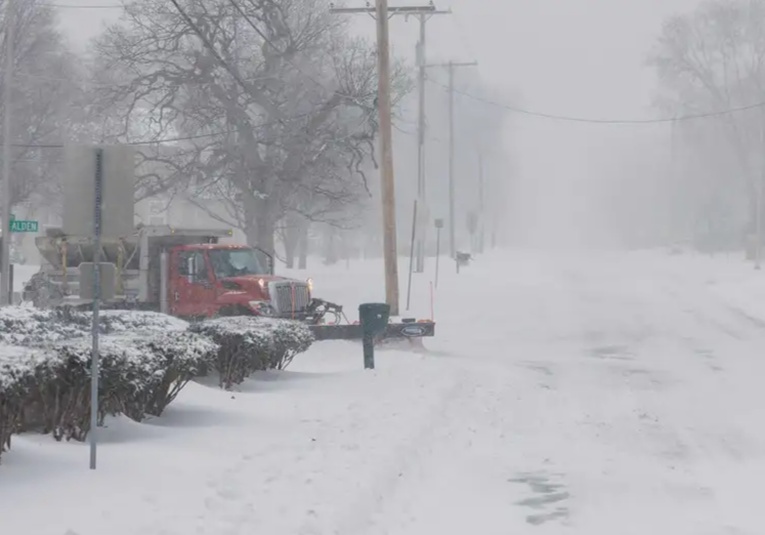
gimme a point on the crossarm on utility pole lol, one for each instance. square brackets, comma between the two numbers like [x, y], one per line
[399, 10]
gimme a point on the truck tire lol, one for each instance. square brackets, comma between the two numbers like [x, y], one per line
[233, 311]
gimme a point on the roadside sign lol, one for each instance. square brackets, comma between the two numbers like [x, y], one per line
[20, 225]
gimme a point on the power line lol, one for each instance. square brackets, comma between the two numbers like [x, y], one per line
[76, 6]
[164, 140]
[237, 8]
[575, 119]
[161, 141]
[513, 109]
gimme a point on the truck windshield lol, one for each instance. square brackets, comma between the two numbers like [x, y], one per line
[235, 263]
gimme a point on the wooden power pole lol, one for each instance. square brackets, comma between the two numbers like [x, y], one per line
[481, 207]
[6, 291]
[382, 13]
[421, 126]
[452, 215]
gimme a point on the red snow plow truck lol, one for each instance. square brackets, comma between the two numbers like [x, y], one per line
[190, 274]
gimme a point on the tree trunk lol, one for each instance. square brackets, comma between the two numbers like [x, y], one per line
[261, 226]
[291, 239]
[303, 247]
[330, 246]
[296, 240]
[265, 235]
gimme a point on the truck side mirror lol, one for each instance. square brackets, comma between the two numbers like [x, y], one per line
[269, 260]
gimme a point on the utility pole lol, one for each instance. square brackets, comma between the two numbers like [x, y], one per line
[5, 263]
[421, 185]
[451, 66]
[386, 149]
[758, 207]
[382, 14]
[481, 211]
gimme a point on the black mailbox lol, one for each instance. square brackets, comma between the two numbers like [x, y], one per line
[374, 320]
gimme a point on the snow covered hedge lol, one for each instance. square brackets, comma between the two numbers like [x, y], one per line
[249, 344]
[16, 378]
[139, 376]
[146, 360]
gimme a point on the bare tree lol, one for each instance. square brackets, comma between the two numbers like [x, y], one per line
[711, 60]
[43, 100]
[275, 102]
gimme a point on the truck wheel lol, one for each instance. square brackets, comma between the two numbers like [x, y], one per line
[42, 292]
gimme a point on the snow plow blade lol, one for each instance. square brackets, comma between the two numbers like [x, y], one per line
[400, 331]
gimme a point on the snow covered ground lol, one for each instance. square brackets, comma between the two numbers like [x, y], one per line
[600, 394]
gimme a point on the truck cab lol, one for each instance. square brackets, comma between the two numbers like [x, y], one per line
[206, 280]
[188, 273]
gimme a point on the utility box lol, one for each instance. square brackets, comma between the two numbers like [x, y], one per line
[108, 280]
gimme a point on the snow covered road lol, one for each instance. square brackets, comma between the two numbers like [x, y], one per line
[613, 394]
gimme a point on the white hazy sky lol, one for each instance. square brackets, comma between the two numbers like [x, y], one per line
[569, 57]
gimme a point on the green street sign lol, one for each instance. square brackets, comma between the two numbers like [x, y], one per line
[19, 225]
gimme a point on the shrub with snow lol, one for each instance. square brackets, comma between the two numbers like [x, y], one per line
[16, 380]
[126, 321]
[289, 338]
[24, 326]
[185, 355]
[249, 344]
[138, 376]
[145, 361]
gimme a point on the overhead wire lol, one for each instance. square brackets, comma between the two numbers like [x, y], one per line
[210, 46]
[590, 120]
[81, 6]
[160, 141]
[510, 108]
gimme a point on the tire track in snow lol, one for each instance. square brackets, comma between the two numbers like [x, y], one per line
[468, 457]
[359, 517]
[300, 483]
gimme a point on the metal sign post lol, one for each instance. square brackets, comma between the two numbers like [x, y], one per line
[94, 364]
[101, 178]
[411, 255]
[439, 226]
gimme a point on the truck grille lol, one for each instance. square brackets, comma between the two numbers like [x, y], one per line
[289, 298]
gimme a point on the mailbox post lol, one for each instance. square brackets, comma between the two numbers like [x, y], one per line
[374, 321]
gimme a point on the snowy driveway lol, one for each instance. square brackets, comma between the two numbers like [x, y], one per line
[613, 395]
